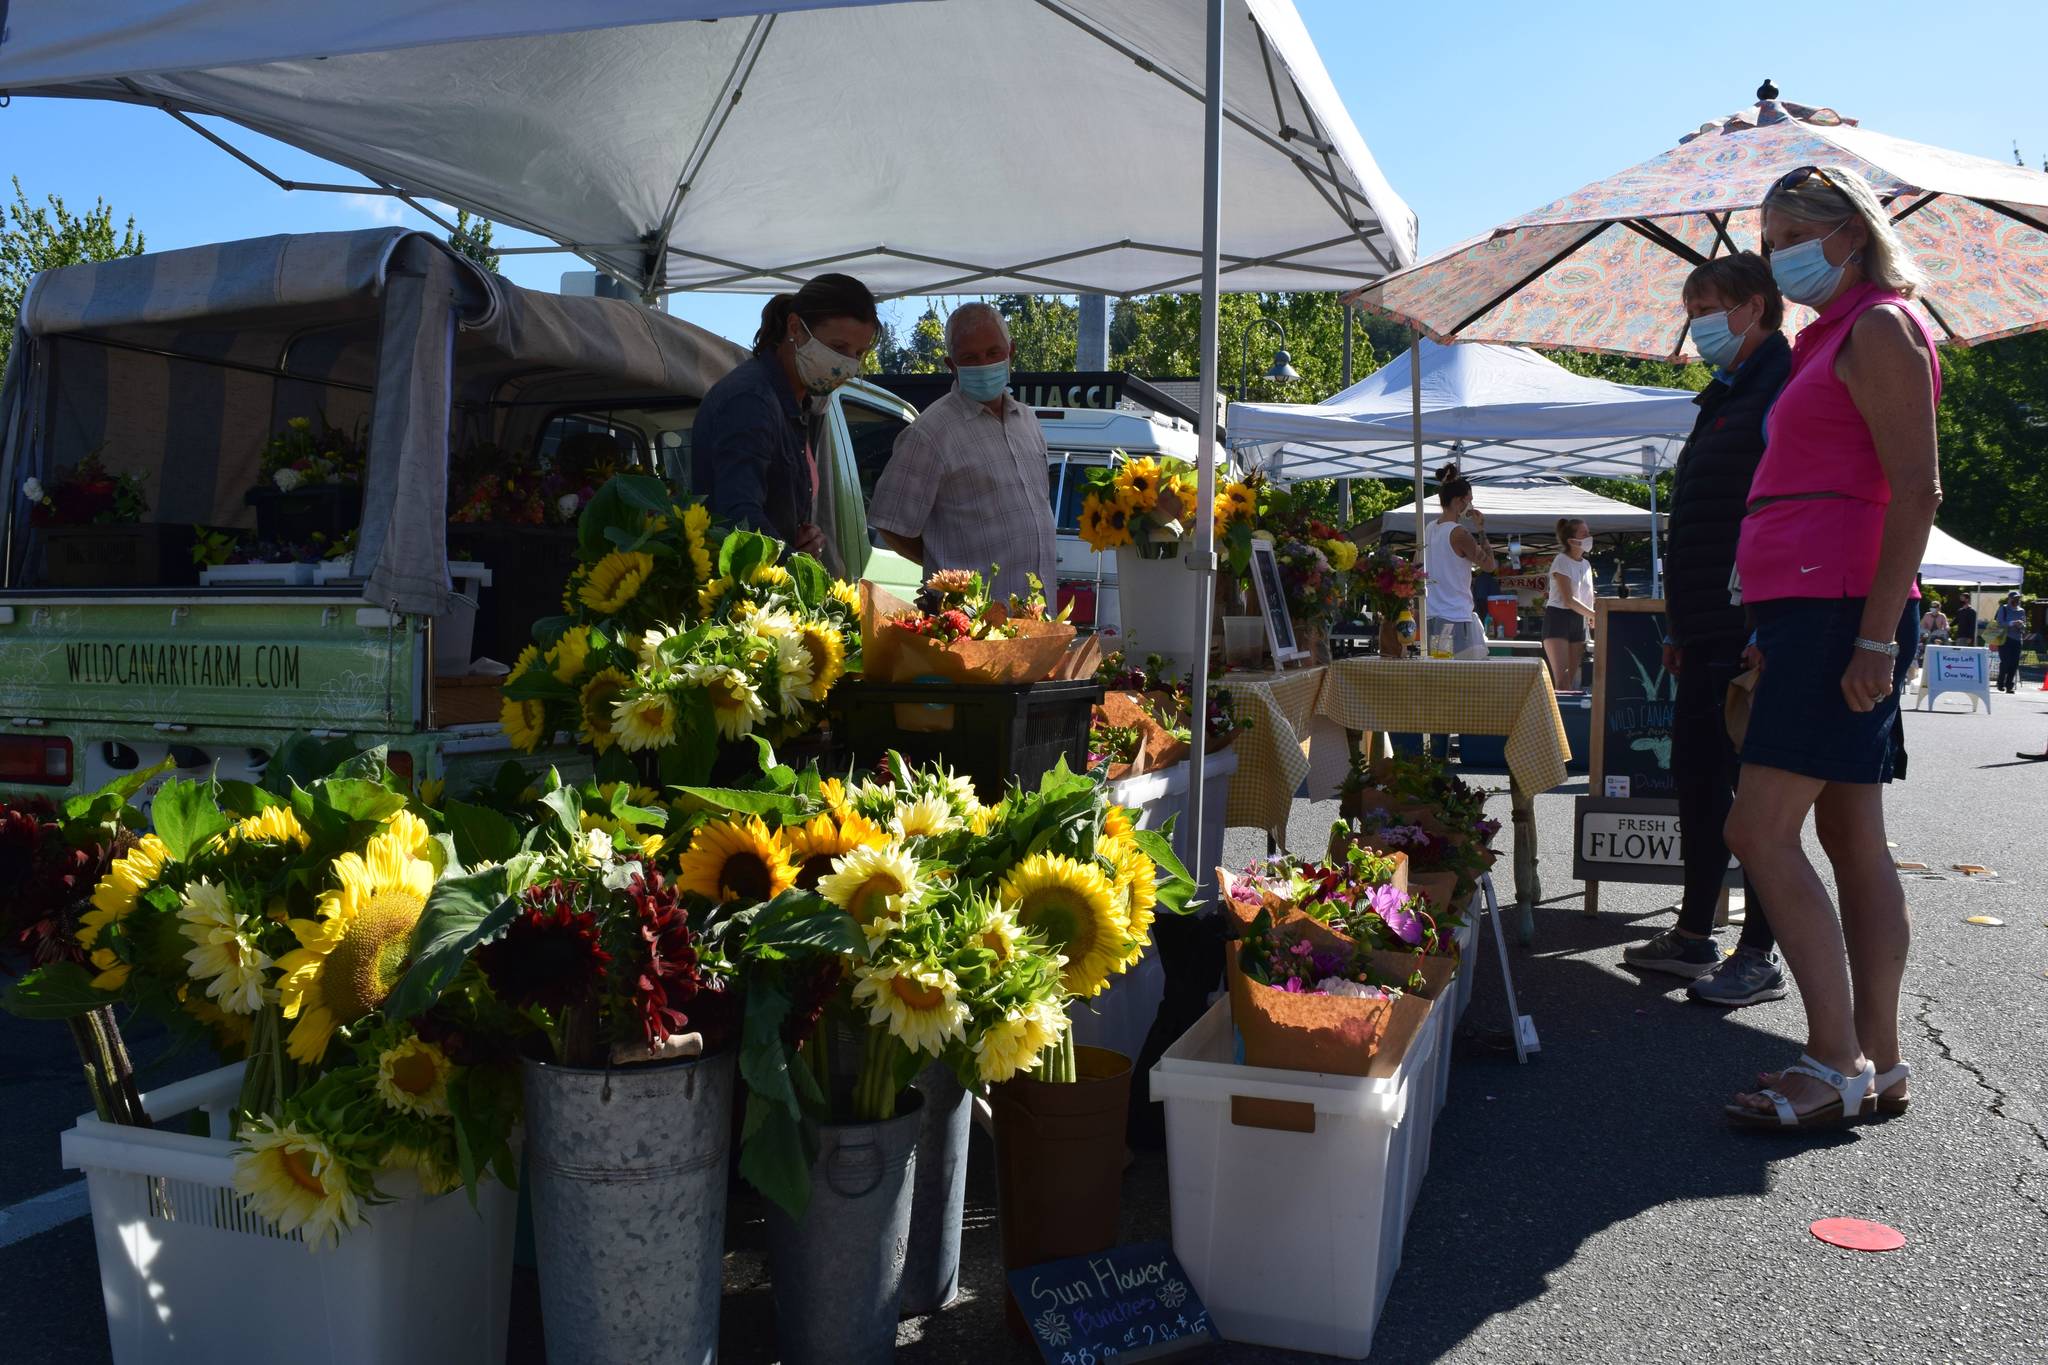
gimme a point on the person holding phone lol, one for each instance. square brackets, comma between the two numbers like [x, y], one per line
[1454, 547]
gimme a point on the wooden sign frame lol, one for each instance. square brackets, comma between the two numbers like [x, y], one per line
[1273, 608]
[1596, 775]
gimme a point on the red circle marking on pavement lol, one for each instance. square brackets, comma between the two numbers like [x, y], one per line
[1858, 1234]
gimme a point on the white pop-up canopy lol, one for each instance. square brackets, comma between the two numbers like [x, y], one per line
[1950, 563]
[1503, 412]
[1534, 508]
[1045, 146]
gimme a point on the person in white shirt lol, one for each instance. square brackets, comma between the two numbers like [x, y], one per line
[1454, 546]
[1568, 614]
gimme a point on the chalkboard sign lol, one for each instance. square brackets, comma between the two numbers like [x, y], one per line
[1634, 701]
[1127, 1304]
[1273, 603]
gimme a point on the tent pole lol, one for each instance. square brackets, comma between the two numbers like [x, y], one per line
[1656, 567]
[1201, 559]
[1415, 433]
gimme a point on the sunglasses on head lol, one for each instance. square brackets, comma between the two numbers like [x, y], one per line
[1792, 179]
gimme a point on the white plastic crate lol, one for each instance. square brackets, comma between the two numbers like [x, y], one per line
[1291, 1237]
[256, 576]
[192, 1276]
[1468, 942]
[455, 630]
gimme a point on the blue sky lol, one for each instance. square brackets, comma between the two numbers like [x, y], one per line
[1475, 111]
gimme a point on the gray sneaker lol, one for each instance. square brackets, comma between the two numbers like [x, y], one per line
[1746, 978]
[1675, 953]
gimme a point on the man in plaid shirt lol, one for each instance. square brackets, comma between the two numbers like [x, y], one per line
[966, 486]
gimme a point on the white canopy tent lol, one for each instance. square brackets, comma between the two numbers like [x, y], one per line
[913, 145]
[1534, 508]
[1950, 563]
[747, 144]
[1503, 412]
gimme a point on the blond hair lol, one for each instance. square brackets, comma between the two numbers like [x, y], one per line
[1833, 196]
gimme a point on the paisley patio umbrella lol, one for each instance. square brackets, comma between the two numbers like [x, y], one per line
[1601, 268]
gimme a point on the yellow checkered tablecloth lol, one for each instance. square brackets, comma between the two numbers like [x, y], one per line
[1272, 756]
[1510, 697]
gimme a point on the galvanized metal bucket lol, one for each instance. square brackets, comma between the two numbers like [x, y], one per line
[931, 1267]
[628, 1175]
[838, 1270]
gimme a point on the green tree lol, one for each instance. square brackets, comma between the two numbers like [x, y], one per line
[924, 352]
[34, 239]
[472, 238]
[1045, 329]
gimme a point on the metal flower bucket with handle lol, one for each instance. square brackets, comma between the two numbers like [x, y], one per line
[931, 1266]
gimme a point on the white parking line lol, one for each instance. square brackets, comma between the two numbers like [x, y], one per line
[19, 1222]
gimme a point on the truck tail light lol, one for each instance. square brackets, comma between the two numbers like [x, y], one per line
[35, 760]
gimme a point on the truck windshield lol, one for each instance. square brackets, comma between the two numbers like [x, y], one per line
[1067, 498]
[873, 432]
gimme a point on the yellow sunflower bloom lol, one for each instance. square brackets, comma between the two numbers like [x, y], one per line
[1116, 823]
[927, 817]
[918, 1003]
[566, 657]
[813, 845]
[846, 594]
[352, 954]
[131, 874]
[1011, 1045]
[525, 723]
[432, 790]
[769, 576]
[615, 580]
[436, 1173]
[1000, 934]
[528, 657]
[712, 595]
[1137, 484]
[736, 860]
[271, 825]
[595, 704]
[832, 791]
[1137, 882]
[874, 885]
[644, 722]
[1073, 906]
[821, 641]
[982, 819]
[112, 971]
[735, 705]
[409, 835]
[697, 521]
[412, 1077]
[223, 955]
[296, 1181]
[792, 674]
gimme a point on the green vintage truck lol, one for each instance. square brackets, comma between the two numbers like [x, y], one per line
[190, 375]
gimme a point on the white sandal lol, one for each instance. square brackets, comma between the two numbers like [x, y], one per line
[1851, 1094]
[1877, 1105]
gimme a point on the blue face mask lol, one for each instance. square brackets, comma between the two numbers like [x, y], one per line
[984, 383]
[1716, 344]
[1803, 272]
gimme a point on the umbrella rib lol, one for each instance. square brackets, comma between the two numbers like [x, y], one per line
[1519, 285]
[1918, 204]
[1643, 227]
[2014, 214]
[1720, 222]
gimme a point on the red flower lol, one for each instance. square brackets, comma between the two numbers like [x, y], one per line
[667, 978]
[808, 997]
[550, 955]
[46, 880]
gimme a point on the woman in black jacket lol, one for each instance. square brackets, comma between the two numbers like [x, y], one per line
[1735, 312]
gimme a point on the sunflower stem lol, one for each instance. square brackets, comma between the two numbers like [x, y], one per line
[874, 1096]
[1060, 1071]
[84, 1037]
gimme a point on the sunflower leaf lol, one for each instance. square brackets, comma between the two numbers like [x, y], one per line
[1176, 887]
[804, 919]
[812, 583]
[481, 834]
[461, 915]
[186, 816]
[623, 504]
[59, 990]
[740, 801]
[743, 552]
[105, 804]
[772, 1155]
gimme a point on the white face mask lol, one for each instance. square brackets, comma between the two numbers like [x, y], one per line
[1582, 546]
[820, 368]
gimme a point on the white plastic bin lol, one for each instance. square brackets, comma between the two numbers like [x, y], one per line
[257, 576]
[455, 630]
[1291, 1237]
[192, 1277]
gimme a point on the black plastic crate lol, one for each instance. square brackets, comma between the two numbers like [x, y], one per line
[148, 555]
[529, 565]
[327, 511]
[987, 734]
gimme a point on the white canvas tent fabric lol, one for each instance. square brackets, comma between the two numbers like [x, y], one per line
[1534, 508]
[964, 146]
[1950, 563]
[1504, 412]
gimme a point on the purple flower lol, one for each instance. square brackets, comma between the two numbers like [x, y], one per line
[1390, 903]
[1302, 948]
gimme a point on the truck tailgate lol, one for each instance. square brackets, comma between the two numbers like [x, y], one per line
[202, 660]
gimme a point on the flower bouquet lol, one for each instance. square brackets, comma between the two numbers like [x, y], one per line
[300, 457]
[1169, 699]
[1390, 584]
[87, 494]
[1150, 504]
[961, 636]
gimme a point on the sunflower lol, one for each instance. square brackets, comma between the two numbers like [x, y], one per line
[846, 594]
[696, 521]
[271, 825]
[926, 817]
[223, 955]
[566, 657]
[647, 645]
[1113, 526]
[1137, 882]
[647, 721]
[528, 657]
[735, 705]
[712, 596]
[112, 971]
[131, 874]
[874, 884]
[594, 706]
[572, 587]
[1000, 933]
[436, 1174]
[1116, 823]
[410, 835]
[1074, 907]
[827, 651]
[1012, 1044]
[351, 956]
[832, 791]
[917, 1002]
[615, 580]
[793, 674]
[296, 1181]
[1137, 484]
[813, 845]
[1092, 529]
[982, 819]
[525, 723]
[769, 576]
[736, 860]
[412, 1077]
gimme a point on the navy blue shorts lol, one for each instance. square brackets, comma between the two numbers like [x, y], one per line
[1798, 720]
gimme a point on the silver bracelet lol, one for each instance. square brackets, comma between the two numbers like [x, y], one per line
[1888, 648]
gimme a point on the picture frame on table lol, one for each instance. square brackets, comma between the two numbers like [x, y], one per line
[1273, 606]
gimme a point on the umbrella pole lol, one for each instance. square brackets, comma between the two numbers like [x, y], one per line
[1415, 433]
[1202, 558]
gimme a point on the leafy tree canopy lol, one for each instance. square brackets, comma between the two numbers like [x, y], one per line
[37, 238]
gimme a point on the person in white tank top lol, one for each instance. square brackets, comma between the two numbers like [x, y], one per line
[1454, 546]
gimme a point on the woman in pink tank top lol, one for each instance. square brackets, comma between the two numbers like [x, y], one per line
[1838, 518]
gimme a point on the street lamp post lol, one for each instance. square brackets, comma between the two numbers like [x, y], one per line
[1282, 368]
